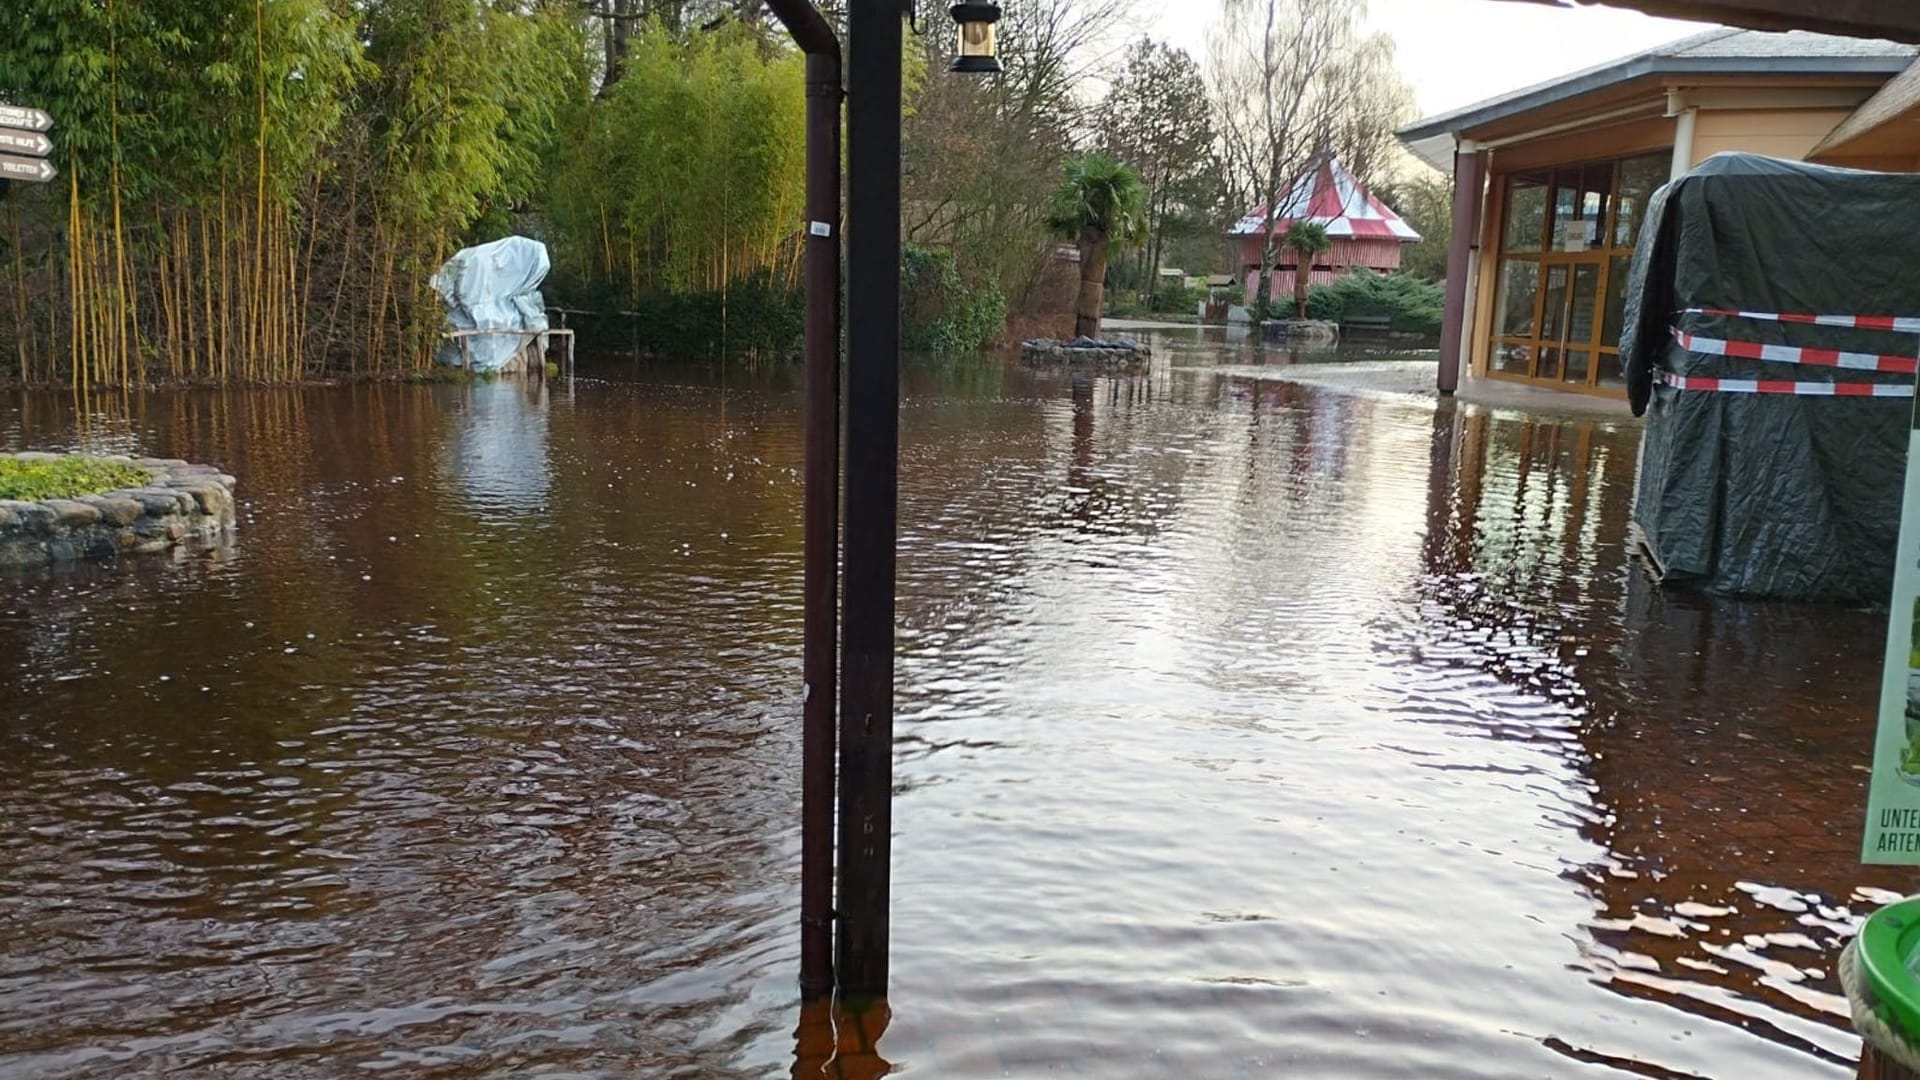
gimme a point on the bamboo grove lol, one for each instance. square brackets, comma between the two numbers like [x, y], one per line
[690, 173]
[259, 190]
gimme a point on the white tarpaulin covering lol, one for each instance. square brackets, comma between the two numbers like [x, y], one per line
[494, 286]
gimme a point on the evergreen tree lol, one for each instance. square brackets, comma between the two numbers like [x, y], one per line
[1158, 119]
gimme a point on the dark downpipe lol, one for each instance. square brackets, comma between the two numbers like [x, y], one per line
[874, 42]
[822, 530]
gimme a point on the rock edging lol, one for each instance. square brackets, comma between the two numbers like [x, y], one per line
[181, 502]
[1119, 355]
[1301, 331]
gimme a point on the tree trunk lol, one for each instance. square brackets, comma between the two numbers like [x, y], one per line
[619, 34]
[1268, 251]
[1158, 224]
[1093, 276]
[1302, 269]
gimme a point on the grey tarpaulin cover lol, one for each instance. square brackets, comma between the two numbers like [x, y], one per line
[493, 286]
[1788, 496]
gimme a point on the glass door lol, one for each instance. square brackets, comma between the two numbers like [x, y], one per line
[1567, 236]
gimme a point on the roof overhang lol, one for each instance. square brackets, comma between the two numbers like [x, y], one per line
[1608, 84]
[1896, 21]
[1889, 123]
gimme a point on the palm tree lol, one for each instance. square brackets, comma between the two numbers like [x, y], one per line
[1305, 239]
[1100, 203]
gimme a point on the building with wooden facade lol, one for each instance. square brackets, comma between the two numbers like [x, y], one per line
[1552, 181]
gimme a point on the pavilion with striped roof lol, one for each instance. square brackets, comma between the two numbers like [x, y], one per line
[1365, 232]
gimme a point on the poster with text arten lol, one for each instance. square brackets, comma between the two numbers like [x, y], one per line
[1893, 792]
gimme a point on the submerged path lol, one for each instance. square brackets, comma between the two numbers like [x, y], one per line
[1246, 729]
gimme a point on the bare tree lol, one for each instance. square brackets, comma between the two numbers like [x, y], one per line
[621, 19]
[982, 156]
[1292, 79]
[1373, 103]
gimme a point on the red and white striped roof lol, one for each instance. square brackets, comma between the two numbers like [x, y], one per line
[1329, 194]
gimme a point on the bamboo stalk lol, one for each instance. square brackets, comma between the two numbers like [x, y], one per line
[23, 315]
[76, 289]
[258, 300]
[204, 359]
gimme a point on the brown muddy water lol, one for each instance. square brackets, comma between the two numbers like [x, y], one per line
[1246, 729]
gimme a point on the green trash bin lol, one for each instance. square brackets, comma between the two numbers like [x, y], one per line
[1881, 971]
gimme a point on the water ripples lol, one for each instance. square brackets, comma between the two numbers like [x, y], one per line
[1243, 729]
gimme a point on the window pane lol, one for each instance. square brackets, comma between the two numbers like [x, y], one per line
[1586, 297]
[1616, 300]
[1519, 285]
[1580, 199]
[1512, 359]
[1566, 202]
[1549, 364]
[1526, 211]
[1639, 177]
[1553, 316]
[1597, 187]
[1576, 372]
[1610, 372]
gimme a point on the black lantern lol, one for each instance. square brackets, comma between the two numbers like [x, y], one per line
[979, 53]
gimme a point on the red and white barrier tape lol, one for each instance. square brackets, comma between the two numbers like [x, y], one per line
[1786, 386]
[1788, 354]
[1897, 324]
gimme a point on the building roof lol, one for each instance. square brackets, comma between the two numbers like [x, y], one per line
[1329, 194]
[1715, 52]
[1898, 101]
[1858, 18]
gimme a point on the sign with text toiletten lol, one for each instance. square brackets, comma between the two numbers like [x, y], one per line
[1893, 792]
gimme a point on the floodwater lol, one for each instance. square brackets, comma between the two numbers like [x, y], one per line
[1246, 729]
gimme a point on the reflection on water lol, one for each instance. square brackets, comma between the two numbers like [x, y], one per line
[497, 449]
[1245, 729]
[840, 1042]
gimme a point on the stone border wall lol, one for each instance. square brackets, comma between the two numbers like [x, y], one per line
[182, 502]
[1123, 355]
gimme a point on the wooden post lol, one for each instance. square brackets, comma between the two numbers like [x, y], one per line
[874, 42]
[1454, 326]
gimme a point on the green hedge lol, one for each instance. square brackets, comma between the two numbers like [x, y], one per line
[1412, 306]
[759, 316]
[939, 311]
[764, 316]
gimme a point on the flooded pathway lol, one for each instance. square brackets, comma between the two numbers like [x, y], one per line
[1246, 729]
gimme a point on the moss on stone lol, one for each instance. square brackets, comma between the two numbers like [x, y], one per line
[35, 478]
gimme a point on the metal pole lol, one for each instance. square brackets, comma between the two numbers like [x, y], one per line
[873, 400]
[822, 530]
[1466, 233]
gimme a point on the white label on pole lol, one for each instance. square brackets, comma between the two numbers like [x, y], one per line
[819, 228]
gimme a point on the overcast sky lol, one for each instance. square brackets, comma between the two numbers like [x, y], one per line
[1457, 52]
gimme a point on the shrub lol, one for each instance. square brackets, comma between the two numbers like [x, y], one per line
[940, 312]
[760, 315]
[64, 478]
[1411, 305]
[1172, 300]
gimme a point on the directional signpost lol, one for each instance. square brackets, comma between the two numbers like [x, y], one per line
[24, 144]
